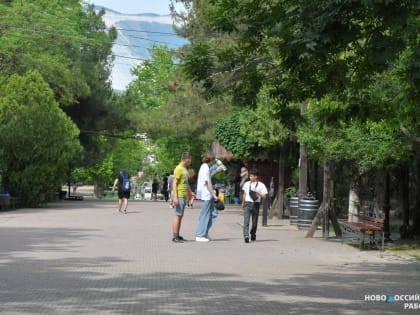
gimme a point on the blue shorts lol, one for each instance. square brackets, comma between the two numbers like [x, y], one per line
[179, 209]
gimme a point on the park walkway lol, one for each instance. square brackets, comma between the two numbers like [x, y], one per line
[82, 257]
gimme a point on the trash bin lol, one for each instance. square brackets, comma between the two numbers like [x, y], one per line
[293, 205]
[308, 208]
[62, 195]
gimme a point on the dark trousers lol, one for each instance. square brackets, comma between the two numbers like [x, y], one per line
[251, 212]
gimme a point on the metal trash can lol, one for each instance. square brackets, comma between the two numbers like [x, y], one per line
[307, 210]
[293, 205]
[62, 195]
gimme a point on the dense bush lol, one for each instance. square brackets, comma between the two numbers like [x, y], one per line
[37, 139]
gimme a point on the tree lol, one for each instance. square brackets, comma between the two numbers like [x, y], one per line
[308, 50]
[69, 45]
[365, 145]
[38, 140]
[62, 40]
[160, 93]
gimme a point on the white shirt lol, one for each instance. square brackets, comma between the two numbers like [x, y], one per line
[203, 178]
[260, 188]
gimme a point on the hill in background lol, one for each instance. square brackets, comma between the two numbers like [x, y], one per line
[136, 33]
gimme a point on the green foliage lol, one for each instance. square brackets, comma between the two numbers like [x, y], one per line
[168, 151]
[128, 154]
[38, 140]
[221, 178]
[290, 191]
[164, 103]
[151, 86]
[68, 44]
[59, 39]
[264, 123]
[200, 65]
[373, 144]
[230, 133]
[306, 49]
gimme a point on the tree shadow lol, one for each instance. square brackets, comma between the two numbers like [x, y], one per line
[115, 285]
[72, 286]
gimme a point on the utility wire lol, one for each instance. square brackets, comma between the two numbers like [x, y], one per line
[143, 31]
[63, 34]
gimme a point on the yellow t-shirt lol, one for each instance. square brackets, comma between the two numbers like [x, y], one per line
[181, 175]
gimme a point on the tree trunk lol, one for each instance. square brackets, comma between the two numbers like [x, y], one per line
[315, 222]
[303, 164]
[303, 172]
[416, 220]
[387, 206]
[329, 204]
[327, 208]
[405, 229]
[277, 207]
[354, 192]
[98, 190]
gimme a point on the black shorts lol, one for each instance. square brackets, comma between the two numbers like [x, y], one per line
[123, 194]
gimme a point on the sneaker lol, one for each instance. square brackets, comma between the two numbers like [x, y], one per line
[246, 239]
[118, 210]
[201, 239]
[176, 239]
[181, 238]
[125, 211]
[253, 238]
[171, 206]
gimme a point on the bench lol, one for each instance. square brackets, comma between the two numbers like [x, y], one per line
[8, 202]
[368, 228]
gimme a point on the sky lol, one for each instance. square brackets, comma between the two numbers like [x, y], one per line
[160, 7]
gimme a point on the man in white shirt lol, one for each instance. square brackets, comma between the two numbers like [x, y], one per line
[254, 192]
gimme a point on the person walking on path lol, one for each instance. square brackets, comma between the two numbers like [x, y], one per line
[170, 188]
[155, 188]
[124, 189]
[253, 192]
[181, 193]
[164, 189]
[206, 193]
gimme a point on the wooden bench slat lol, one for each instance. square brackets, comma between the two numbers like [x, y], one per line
[367, 227]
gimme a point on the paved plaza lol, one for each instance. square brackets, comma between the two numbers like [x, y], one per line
[82, 257]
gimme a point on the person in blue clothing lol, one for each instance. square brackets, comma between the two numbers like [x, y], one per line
[206, 193]
[123, 189]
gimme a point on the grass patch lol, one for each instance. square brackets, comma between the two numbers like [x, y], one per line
[405, 247]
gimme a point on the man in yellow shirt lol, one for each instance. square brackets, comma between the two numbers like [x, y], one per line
[180, 194]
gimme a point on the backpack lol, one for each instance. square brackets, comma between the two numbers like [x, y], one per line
[125, 186]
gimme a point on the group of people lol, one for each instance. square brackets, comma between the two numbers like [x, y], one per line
[180, 195]
[253, 192]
